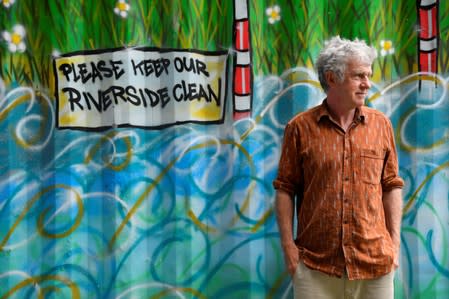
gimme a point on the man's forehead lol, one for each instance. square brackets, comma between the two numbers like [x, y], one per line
[359, 68]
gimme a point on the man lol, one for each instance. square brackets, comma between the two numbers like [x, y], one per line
[339, 162]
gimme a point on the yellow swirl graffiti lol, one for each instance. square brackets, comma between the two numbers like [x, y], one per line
[409, 79]
[158, 179]
[105, 139]
[423, 183]
[262, 220]
[41, 293]
[21, 100]
[204, 227]
[277, 284]
[409, 148]
[41, 132]
[40, 224]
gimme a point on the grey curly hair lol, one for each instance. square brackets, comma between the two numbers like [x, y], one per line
[336, 54]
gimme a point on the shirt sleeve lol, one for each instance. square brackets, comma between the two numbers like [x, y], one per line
[289, 171]
[390, 176]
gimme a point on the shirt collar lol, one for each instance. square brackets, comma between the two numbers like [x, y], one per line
[323, 111]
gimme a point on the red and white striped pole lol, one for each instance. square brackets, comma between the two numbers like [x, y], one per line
[242, 76]
[428, 35]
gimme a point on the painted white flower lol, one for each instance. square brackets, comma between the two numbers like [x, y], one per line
[273, 13]
[386, 47]
[122, 8]
[55, 53]
[8, 3]
[15, 39]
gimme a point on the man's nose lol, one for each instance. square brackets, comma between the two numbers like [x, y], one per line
[366, 82]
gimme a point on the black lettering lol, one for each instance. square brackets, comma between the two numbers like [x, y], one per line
[201, 68]
[153, 96]
[85, 75]
[163, 95]
[202, 94]
[158, 67]
[114, 95]
[190, 67]
[136, 67]
[88, 98]
[76, 77]
[149, 67]
[175, 92]
[142, 96]
[95, 72]
[118, 92]
[118, 71]
[178, 64]
[74, 98]
[195, 66]
[191, 91]
[166, 63]
[212, 94]
[66, 69]
[132, 96]
[107, 72]
[105, 99]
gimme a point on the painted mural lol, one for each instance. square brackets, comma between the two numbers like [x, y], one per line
[139, 140]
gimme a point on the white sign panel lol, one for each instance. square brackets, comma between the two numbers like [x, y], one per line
[141, 87]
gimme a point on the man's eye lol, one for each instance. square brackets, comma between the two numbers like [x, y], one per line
[363, 76]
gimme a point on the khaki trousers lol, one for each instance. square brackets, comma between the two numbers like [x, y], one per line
[310, 284]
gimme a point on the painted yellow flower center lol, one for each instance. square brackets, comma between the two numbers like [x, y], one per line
[388, 45]
[16, 39]
[121, 6]
[274, 14]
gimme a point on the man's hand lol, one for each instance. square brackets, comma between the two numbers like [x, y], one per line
[284, 208]
[396, 262]
[291, 257]
[392, 202]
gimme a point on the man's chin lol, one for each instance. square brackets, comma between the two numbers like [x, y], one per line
[360, 102]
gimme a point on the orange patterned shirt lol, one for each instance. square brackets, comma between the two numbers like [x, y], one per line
[338, 178]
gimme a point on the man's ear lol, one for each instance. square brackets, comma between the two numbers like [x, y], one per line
[330, 78]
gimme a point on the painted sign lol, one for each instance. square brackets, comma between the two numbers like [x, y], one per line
[140, 87]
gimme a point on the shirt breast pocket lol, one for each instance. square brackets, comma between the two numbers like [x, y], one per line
[371, 165]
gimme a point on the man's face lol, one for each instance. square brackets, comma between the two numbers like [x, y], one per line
[356, 83]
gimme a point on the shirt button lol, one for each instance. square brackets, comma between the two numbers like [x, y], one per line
[346, 178]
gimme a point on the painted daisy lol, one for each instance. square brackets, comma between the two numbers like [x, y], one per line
[122, 8]
[386, 47]
[15, 39]
[8, 3]
[55, 53]
[273, 13]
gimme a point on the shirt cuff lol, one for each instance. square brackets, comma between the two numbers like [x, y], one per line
[279, 185]
[397, 182]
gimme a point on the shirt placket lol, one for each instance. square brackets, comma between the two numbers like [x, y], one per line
[347, 196]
